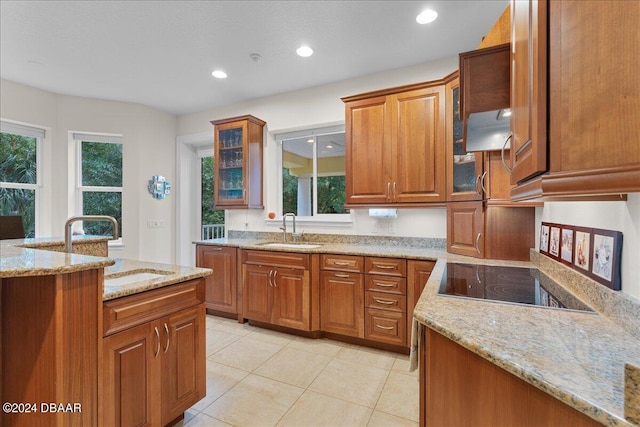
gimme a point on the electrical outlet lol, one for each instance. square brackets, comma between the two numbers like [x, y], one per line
[154, 224]
[374, 227]
[391, 227]
[246, 225]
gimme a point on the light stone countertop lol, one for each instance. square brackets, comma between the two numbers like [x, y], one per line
[577, 357]
[35, 257]
[31, 257]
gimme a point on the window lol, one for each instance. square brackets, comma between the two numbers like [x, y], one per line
[100, 180]
[313, 172]
[20, 146]
[212, 219]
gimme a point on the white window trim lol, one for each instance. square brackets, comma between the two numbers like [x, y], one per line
[40, 134]
[337, 220]
[78, 138]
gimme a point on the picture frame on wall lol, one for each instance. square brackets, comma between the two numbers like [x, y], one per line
[544, 238]
[605, 259]
[554, 241]
[582, 249]
[566, 244]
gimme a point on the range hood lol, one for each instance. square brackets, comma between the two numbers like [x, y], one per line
[488, 130]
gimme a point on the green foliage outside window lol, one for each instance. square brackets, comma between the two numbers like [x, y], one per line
[102, 167]
[209, 214]
[18, 165]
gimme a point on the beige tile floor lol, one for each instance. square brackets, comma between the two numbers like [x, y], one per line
[257, 377]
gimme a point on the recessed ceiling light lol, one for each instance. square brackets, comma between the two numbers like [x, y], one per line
[329, 146]
[219, 74]
[304, 51]
[310, 140]
[426, 16]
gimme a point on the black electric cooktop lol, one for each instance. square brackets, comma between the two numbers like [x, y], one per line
[517, 285]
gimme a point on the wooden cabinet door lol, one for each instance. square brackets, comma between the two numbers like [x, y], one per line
[464, 170]
[368, 151]
[131, 363]
[221, 287]
[465, 228]
[528, 88]
[342, 303]
[291, 298]
[183, 361]
[417, 129]
[238, 162]
[257, 292]
[418, 273]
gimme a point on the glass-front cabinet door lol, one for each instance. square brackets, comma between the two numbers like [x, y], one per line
[466, 180]
[238, 162]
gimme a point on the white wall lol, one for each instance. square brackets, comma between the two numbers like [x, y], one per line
[148, 149]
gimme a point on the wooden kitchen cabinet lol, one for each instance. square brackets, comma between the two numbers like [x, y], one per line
[465, 177]
[277, 289]
[528, 88]
[342, 295]
[221, 287]
[238, 162]
[460, 388]
[386, 300]
[494, 232]
[395, 152]
[418, 273]
[592, 120]
[153, 362]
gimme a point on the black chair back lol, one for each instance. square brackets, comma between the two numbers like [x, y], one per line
[11, 227]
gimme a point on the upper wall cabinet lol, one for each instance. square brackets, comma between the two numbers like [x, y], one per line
[395, 153]
[238, 162]
[593, 103]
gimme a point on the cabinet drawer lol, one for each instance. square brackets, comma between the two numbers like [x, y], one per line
[393, 285]
[276, 259]
[385, 326]
[126, 312]
[386, 266]
[350, 263]
[385, 301]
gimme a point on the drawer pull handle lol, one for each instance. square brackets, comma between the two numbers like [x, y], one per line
[385, 285]
[166, 329]
[216, 249]
[270, 277]
[344, 276]
[155, 354]
[275, 273]
[386, 328]
[385, 267]
[341, 263]
[379, 301]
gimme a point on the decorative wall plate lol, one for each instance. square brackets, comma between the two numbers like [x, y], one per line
[159, 187]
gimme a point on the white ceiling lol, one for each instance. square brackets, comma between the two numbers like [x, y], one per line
[162, 53]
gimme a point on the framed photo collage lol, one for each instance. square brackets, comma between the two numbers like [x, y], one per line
[591, 251]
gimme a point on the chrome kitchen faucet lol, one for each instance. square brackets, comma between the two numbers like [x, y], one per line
[68, 247]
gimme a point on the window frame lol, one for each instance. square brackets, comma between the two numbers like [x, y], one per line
[102, 138]
[319, 218]
[39, 134]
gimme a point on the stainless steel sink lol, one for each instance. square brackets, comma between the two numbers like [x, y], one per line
[292, 245]
[133, 276]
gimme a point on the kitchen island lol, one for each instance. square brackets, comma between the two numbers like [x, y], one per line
[576, 359]
[52, 322]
